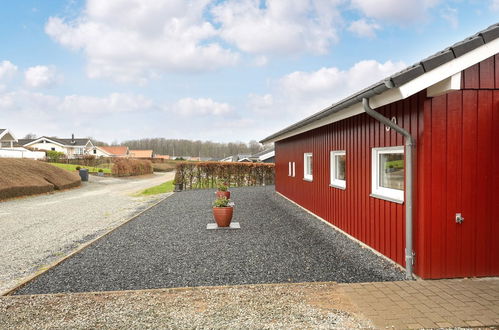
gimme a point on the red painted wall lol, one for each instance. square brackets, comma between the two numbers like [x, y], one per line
[454, 133]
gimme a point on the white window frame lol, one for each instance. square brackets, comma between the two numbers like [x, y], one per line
[289, 169]
[377, 191]
[294, 168]
[334, 182]
[306, 175]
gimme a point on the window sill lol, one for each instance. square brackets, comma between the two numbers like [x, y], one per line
[308, 179]
[386, 198]
[338, 187]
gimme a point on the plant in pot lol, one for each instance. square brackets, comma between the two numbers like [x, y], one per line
[222, 190]
[101, 172]
[223, 210]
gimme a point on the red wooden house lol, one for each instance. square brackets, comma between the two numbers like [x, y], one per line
[428, 200]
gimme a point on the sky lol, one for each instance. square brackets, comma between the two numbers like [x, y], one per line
[207, 69]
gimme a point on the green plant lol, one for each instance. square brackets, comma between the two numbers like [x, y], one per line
[77, 168]
[54, 156]
[101, 170]
[222, 202]
[222, 187]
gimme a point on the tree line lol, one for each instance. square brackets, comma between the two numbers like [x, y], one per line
[180, 147]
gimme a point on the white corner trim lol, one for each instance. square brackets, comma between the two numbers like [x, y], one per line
[450, 68]
[5, 132]
[452, 83]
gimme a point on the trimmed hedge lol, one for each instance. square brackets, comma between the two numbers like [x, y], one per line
[199, 175]
[131, 167]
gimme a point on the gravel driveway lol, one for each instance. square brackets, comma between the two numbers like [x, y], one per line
[36, 231]
[169, 246]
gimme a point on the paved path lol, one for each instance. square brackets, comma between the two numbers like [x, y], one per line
[169, 246]
[400, 305]
[428, 304]
[38, 230]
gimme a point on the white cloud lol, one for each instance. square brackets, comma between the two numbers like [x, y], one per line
[362, 28]
[7, 70]
[279, 26]
[201, 106]
[299, 94]
[133, 40]
[41, 76]
[115, 102]
[402, 12]
[450, 15]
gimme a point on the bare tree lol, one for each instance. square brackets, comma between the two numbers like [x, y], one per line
[30, 136]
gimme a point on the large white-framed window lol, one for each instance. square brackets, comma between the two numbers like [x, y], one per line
[388, 173]
[307, 166]
[338, 169]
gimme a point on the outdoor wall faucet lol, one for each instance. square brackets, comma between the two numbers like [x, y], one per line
[459, 218]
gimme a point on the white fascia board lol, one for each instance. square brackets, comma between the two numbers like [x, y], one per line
[450, 68]
[267, 155]
[5, 132]
[452, 83]
[377, 101]
[91, 144]
[104, 151]
[44, 138]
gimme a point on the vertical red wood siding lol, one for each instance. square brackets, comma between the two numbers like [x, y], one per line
[457, 157]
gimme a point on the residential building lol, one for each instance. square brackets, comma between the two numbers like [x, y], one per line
[410, 165]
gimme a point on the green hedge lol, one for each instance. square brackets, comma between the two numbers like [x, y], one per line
[199, 175]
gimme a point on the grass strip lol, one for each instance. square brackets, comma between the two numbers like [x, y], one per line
[159, 189]
[72, 167]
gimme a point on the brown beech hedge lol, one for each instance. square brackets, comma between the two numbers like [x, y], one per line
[131, 167]
[199, 175]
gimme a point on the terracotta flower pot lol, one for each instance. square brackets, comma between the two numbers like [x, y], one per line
[223, 193]
[223, 215]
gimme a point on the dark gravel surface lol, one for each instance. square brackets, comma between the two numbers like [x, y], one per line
[169, 246]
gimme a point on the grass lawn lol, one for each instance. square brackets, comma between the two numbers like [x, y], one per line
[160, 189]
[71, 167]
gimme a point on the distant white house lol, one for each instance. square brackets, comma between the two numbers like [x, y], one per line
[265, 156]
[9, 148]
[7, 139]
[72, 148]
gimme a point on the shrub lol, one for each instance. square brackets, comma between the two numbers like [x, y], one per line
[54, 156]
[198, 175]
[78, 168]
[101, 170]
[131, 167]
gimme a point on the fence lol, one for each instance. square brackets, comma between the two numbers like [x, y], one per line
[200, 175]
[21, 153]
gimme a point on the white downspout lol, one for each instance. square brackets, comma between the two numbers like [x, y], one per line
[409, 143]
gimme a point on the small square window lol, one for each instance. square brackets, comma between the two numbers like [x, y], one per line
[338, 169]
[388, 173]
[307, 166]
[53, 149]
